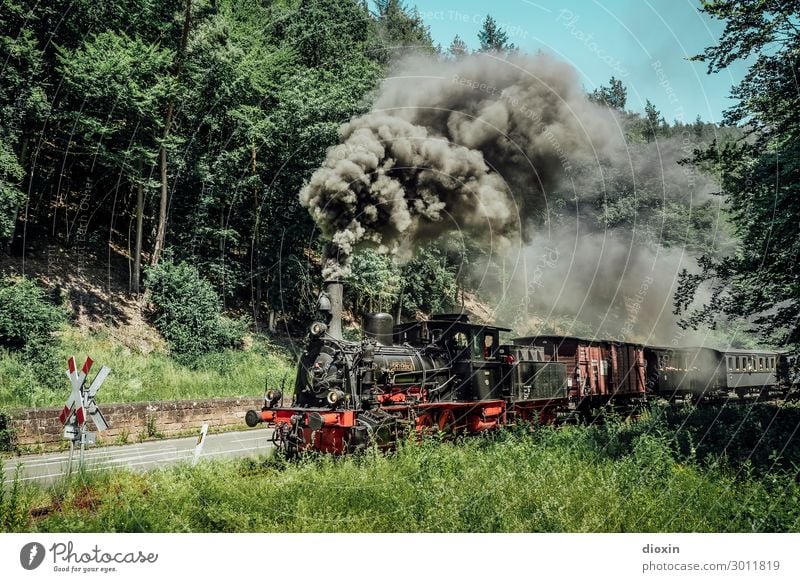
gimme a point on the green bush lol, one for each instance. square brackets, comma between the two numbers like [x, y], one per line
[188, 312]
[6, 432]
[27, 316]
[28, 320]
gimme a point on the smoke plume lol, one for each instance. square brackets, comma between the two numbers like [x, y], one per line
[471, 145]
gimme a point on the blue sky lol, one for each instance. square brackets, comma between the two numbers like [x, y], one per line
[645, 43]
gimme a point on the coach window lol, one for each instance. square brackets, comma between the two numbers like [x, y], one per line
[760, 363]
[738, 363]
[730, 363]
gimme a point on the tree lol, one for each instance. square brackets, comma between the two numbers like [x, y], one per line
[401, 28]
[493, 38]
[654, 122]
[759, 174]
[23, 104]
[614, 96]
[457, 48]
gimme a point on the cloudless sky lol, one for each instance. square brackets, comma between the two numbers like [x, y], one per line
[644, 43]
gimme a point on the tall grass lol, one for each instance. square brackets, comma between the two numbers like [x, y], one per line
[155, 376]
[613, 478]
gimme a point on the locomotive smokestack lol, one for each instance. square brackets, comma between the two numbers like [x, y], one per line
[335, 290]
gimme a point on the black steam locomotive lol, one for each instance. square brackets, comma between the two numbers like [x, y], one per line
[448, 374]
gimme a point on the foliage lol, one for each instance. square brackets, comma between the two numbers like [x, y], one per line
[261, 94]
[374, 283]
[492, 37]
[188, 312]
[28, 321]
[15, 501]
[457, 48]
[428, 282]
[632, 476]
[7, 433]
[760, 176]
[615, 95]
[402, 28]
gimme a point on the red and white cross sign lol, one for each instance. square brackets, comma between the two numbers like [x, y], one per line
[75, 400]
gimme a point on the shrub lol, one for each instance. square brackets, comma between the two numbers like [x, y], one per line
[188, 312]
[28, 320]
[27, 317]
[6, 432]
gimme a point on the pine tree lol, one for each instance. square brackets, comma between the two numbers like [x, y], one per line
[493, 38]
[457, 48]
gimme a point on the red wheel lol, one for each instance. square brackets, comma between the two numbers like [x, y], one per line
[425, 425]
[447, 422]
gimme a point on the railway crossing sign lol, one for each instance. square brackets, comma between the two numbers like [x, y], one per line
[80, 404]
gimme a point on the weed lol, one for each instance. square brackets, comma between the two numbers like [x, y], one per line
[7, 432]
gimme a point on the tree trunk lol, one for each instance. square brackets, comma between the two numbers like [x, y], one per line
[23, 154]
[137, 257]
[255, 254]
[161, 233]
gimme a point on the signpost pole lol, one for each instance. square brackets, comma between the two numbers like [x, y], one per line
[71, 454]
[81, 433]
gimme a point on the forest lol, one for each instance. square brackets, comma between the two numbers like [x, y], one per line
[164, 143]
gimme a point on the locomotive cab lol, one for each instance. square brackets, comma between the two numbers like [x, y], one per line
[472, 353]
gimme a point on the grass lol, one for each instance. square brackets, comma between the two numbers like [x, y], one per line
[618, 477]
[140, 377]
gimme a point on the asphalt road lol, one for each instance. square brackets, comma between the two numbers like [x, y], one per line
[49, 467]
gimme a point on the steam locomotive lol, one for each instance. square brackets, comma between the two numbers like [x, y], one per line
[448, 374]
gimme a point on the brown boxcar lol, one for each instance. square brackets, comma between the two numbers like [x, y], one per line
[598, 371]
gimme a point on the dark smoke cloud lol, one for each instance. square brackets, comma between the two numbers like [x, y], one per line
[472, 145]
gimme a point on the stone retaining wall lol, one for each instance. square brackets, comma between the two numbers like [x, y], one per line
[132, 422]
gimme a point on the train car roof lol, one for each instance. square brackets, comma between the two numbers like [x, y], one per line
[575, 338]
[737, 351]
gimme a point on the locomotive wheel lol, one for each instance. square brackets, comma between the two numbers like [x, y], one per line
[426, 425]
[447, 422]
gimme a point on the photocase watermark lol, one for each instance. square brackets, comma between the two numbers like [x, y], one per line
[66, 558]
[31, 555]
[569, 21]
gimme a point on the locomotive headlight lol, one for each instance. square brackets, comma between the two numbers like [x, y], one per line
[318, 328]
[334, 397]
[273, 396]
